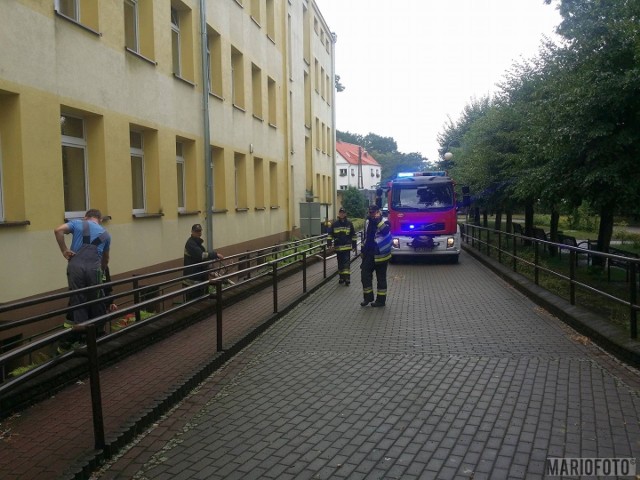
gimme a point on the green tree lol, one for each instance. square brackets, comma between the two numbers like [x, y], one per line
[354, 202]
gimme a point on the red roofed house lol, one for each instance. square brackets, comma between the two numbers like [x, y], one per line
[350, 161]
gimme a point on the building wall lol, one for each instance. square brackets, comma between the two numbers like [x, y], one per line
[264, 150]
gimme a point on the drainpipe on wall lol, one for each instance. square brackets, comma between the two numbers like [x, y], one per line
[334, 39]
[208, 167]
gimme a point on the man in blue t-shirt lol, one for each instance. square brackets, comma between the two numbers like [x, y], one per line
[88, 257]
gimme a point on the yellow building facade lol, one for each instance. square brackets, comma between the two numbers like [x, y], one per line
[162, 114]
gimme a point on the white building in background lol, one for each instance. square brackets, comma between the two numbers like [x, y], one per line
[355, 167]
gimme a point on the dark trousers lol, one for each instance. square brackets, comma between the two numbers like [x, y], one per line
[344, 264]
[367, 268]
[81, 275]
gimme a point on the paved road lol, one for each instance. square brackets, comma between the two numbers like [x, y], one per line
[460, 376]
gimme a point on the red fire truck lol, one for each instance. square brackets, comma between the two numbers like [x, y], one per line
[423, 215]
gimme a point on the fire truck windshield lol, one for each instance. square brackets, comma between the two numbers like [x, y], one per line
[416, 198]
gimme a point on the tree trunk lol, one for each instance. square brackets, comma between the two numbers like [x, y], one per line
[498, 223]
[528, 220]
[605, 232]
[509, 224]
[553, 232]
[485, 218]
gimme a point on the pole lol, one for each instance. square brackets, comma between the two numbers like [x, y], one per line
[208, 167]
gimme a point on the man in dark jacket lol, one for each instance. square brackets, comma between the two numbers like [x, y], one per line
[342, 235]
[376, 253]
[196, 260]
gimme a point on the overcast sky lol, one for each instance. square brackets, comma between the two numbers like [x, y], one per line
[408, 65]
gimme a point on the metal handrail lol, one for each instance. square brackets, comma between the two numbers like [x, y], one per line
[312, 247]
[632, 263]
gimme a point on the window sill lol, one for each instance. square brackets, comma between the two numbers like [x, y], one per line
[105, 218]
[147, 215]
[187, 213]
[258, 117]
[140, 56]
[215, 95]
[182, 79]
[256, 21]
[273, 125]
[240, 210]
[18, 223]
[238, 107]
[219, 210]
[260, 209]
[274, 207]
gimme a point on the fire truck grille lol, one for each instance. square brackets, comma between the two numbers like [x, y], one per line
[422, 227]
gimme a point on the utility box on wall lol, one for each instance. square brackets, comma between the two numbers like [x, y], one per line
[310, 220]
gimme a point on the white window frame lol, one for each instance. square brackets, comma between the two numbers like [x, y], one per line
[79, 143]
[133, 4]
[75, 16]
[139, 153]
[180, 166]
[175, 49]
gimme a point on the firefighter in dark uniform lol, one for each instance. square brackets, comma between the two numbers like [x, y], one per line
[343, 236]
[376, 253]
[196, 259]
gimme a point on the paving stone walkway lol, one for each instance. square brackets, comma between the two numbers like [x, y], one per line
[459, 377]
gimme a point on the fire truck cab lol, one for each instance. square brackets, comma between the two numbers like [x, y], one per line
[422, 212]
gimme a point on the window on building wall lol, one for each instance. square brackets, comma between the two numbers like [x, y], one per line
[69, 8]
[323, 85]
[343, 172]
[329, 89]
[271, 19]
[219, 180]
[82, 12]
[237, 78]
[306, 35]
[74, 166]
[182, 41]
[255, 11]
[256, 90]
[138, 27]
[175, 41]
[131, 25]
[271, 98]
[316, 70]
[240, 180]
[137, 171]
[273, 184]
[181, 177]
[307, 100]
[258, 180]
[214, 61]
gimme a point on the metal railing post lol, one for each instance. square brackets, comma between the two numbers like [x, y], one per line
[136, 298]
[94, 380]
[515, 254]
[633, 300]
[324, 261]
[218, 315]
[536, 262]
[572, 276]
[274, 281]
[304, 272]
